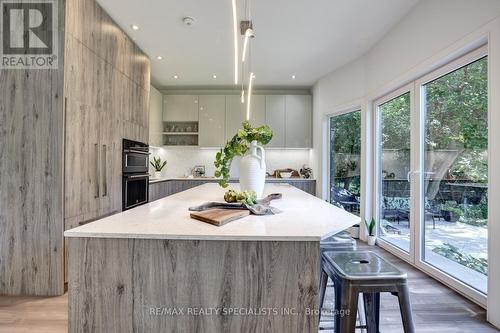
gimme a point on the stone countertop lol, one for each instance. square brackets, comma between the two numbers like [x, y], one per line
[164, 179]
[304, 218]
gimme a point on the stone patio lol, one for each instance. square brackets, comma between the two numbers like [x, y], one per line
[469, 239]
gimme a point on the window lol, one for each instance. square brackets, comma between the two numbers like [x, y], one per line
[455, 177]
[394, 159]
[432, 173]
[345, 161]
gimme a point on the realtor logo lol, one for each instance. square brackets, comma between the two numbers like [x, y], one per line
[28, 34]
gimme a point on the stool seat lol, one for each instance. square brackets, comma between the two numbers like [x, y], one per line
[364, 272]
[362, 265]
[338, 242]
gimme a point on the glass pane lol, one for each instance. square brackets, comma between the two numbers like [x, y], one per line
[394, 226]
[455, 206]
[345, 143]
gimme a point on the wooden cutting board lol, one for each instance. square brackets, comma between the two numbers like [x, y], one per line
[220, 217]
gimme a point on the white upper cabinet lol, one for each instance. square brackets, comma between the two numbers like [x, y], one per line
[275, 118]
[212, 114]
[235, 115]
[220, 117]
[180, 108]
[298, 116]
[257, 110]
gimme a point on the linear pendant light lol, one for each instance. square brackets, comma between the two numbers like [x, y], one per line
[235, 33]
[249, 94]
[245, 43]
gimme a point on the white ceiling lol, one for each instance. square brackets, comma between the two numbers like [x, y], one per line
[307, 38]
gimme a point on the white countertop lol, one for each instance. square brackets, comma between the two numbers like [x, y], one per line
[304, 218]
[273, 179]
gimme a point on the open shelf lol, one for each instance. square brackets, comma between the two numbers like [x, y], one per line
[180, 133]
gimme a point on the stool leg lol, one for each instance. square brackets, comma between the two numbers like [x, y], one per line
[348, 302]
[322, 289]
[405, 308]
[337, 305]
[371, 301]
[361, 312]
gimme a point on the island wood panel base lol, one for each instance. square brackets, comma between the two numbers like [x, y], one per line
[140, 285]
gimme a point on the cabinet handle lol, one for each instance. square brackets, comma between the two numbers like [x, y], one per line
[104, 175]
[98, 185]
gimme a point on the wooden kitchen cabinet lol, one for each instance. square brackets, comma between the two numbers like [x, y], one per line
[298, 122]
[212, 115]
[164, 188]
[275, 118]
[180, 108]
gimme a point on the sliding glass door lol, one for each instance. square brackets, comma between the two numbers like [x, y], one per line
[432, 173]
[454, 181]
[394, 166]
[345, 161]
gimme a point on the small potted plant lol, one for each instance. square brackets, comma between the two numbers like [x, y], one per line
[370, 226]
[158, 165]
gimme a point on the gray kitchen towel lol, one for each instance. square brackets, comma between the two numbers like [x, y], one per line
[260, 208]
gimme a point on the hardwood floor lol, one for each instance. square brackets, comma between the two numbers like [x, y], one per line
[436, 308]
[33, 314]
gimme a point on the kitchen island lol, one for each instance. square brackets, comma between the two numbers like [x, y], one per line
[154, 269]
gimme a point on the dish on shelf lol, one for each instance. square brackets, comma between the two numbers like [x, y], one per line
[286, 174]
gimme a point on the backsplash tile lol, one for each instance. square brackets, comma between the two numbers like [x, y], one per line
[180, 161]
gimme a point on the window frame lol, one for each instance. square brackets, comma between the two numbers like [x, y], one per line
[464, 60]
[377, 163]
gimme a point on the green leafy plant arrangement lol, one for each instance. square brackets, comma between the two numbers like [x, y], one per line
[371, 227]
[157, 164]
[238, 146]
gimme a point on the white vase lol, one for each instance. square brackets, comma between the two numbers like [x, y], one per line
[253, 170]
[157, 174]
[371, 240]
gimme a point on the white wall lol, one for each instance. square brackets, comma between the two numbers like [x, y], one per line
[181, 160]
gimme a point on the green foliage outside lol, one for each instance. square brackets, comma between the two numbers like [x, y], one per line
[345, 137]
[454, 253]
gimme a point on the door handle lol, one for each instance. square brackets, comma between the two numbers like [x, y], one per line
[104, 169]
[408, 176]
[98, 185]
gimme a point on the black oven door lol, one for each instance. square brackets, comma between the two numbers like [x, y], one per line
[135, 190]
[135, 161]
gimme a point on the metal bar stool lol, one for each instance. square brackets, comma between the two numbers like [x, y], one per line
[338, 242]
[355, 272]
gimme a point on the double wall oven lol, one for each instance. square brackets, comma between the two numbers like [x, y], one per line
[135, 169]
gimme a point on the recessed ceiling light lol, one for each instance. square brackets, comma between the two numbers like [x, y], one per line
[214, 76]
[134, 27]
[159, 57]
[293, 77]
[176, 77]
